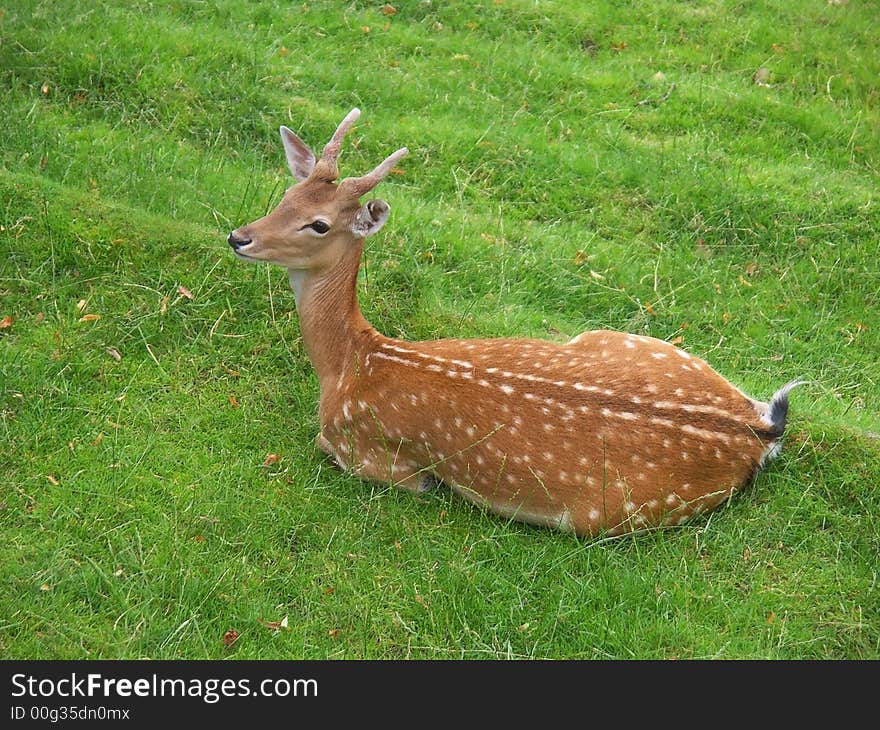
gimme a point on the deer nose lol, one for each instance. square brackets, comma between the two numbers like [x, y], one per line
[237, 241]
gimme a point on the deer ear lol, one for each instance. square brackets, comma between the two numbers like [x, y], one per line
[300, 158]
[370, 218]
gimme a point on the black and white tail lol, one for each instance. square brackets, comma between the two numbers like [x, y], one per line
[777, 411]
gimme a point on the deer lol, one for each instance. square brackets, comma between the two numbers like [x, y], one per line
[608, 434]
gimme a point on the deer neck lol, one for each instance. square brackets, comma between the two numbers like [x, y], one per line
[334, 330]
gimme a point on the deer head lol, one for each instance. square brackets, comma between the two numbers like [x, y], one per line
[318, 219]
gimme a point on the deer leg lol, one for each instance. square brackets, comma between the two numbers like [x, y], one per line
[385, 468]
[418, 482]
[401, 474]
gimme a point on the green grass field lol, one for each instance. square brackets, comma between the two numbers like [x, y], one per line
[703, 171]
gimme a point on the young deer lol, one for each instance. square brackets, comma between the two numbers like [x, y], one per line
[609, 432]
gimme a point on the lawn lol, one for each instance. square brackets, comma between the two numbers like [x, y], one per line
[706, 173]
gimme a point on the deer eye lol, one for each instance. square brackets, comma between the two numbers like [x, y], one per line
[318, 227]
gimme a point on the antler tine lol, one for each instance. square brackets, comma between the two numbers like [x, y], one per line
[331, 149]
[363, 185]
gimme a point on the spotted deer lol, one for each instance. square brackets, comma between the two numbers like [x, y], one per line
[608, 433]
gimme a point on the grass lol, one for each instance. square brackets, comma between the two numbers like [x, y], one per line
[612, 165]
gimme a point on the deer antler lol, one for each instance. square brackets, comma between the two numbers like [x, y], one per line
[355, 186]
[358, 186]
[331, 149]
